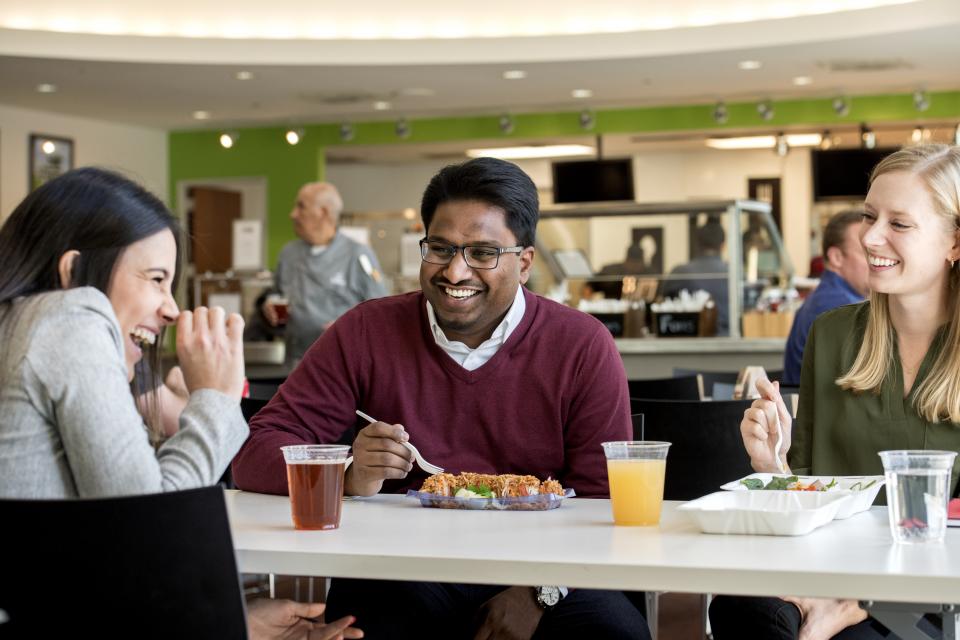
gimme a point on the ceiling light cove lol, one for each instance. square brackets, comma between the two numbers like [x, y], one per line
[416, 19]
[765, 142]
[545, 151]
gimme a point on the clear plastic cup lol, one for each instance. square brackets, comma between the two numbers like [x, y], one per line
[315, 482]
[281, 305]
[635, 470]
[918, 487]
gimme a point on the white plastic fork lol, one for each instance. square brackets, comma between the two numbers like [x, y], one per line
[776, 447]
[426, 466]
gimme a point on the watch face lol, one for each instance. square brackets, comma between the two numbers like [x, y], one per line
[548, 596]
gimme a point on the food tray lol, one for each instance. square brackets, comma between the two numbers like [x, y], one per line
[541, 502]
[774, 513]
[861, 500]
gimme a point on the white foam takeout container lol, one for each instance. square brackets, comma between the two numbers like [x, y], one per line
[861, 500]
[772, 513]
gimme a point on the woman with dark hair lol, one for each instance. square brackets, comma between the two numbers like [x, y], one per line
[88, 263]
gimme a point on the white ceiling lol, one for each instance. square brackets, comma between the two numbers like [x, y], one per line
[621, 51]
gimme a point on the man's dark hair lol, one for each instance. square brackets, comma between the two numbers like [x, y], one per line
[495, 182]
[836, 230]
[711, 236]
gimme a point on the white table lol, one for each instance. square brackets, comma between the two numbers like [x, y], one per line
[393, 537]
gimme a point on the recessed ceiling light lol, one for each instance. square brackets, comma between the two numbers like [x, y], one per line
[244, 75]
[46, 88]
[802, 81]
[381, 105]
[582, 93]
[293, 136]
[227, 140]
[514, 74]
[201, 115]
[749, 65]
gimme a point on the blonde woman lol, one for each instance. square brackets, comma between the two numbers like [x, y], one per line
[883, 374]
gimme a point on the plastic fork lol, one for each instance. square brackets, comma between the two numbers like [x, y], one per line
[426, 466]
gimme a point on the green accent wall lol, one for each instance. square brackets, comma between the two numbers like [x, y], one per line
[262, 151]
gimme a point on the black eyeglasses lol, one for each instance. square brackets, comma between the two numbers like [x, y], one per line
[477, 256]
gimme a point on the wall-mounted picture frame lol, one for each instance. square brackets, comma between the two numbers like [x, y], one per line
[50, 156]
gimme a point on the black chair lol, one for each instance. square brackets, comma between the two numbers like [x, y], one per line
[707, 449]
[682, 388]
[155, 566]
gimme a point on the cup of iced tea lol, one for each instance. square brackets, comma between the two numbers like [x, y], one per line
[315, 481]
[281, 306]
[635, 470]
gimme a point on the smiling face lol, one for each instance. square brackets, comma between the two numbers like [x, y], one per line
[470, 303]
[140, 293]
[908, 244]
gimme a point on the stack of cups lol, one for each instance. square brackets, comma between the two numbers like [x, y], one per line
[315, 481]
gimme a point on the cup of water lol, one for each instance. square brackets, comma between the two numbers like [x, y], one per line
[918, 487]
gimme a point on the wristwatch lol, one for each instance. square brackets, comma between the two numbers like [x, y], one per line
[549, 596]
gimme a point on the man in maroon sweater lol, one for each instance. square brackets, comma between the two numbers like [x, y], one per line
[482, 376]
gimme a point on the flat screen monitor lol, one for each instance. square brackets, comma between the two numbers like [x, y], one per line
[840, 174]
[593, 180]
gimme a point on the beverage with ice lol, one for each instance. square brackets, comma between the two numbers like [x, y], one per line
[918, 486]
[635, 470]
[315, 483]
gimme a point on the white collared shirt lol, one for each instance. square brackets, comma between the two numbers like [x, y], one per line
[471, 359]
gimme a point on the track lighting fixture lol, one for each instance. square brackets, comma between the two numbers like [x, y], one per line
[505, 124]
[402, 128]
[868, 139]
[293, 136]
[228, 139]
[346, 132]
[587, 120]
[765, 109]
[720, 113]
[781, 147]
[841, 106]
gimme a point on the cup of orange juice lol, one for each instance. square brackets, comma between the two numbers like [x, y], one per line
[635, 469]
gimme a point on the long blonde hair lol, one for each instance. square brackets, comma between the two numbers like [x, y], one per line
[938, 396]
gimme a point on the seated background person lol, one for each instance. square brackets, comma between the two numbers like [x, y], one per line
[470, 371]
[843, 281]
[710, 239]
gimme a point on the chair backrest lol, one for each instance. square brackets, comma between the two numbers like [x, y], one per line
[706, 451]
[682, 388]
[155, 566]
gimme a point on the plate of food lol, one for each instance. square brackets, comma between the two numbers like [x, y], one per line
[772, 513]
[504, 492]
[862, 489]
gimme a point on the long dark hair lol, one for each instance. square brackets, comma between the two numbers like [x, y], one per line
[98, 213]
